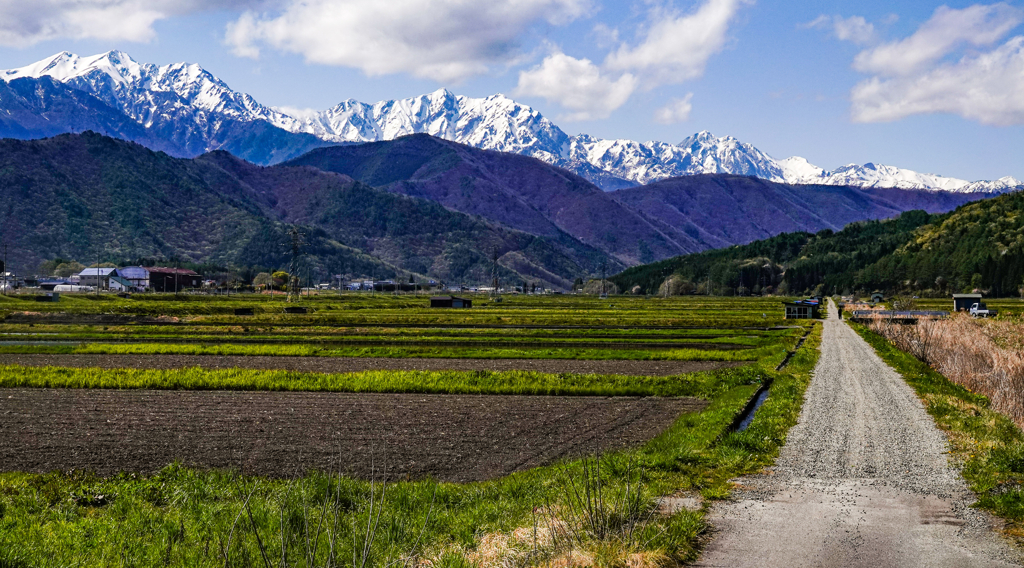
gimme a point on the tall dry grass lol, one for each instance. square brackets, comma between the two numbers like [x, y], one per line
[984, 356]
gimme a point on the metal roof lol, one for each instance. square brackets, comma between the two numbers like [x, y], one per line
[104, 271]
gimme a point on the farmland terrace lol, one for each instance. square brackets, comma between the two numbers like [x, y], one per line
[163, 407]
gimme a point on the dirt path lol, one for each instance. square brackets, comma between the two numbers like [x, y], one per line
[353, 364]
[449, 437]
[863, 480]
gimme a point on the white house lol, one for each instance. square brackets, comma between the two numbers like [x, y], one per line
[104, 278]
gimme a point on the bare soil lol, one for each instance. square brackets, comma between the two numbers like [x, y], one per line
[353, 364]
[450, 438]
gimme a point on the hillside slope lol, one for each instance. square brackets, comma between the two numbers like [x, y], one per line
[91, 197]
[640, 224]
[978, 245]
[516, 191]
[722, 210]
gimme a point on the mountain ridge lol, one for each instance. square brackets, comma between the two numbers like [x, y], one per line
[197, 112]
[975, 247]
[635, 225]
[91, 197]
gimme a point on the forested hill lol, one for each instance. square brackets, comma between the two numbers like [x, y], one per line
[90, 198]
[979, 245]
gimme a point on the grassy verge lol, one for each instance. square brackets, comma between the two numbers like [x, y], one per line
[701, 384]
[552, 352]
[987, 446]
[353, 309]
[185, 517]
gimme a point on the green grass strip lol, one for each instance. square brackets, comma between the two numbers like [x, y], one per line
[553, 352]
[701, 384]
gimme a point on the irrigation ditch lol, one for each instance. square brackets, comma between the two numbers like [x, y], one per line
[746, 416]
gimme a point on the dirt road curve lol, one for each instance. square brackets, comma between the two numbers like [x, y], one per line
[353, 364]
[862, 481]
[452, 438]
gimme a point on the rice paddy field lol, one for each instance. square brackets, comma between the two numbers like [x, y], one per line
[1005, 306]
[376, 431]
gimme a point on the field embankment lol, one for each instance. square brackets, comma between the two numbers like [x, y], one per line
[986, 357]
[986, 446]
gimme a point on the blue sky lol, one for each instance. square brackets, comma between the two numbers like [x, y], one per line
[937, 88]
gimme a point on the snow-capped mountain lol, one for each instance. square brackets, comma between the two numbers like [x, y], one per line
[196, 111]
[492, 123]
[144, 91]
[648, 162]
[799, 170]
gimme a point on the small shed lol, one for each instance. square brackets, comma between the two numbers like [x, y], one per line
[164, 279]
[450, 302]
[801, 309]
[877, 297]
[963, 302]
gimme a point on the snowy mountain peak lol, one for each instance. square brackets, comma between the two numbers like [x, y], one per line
[195, 101]
[64, 66]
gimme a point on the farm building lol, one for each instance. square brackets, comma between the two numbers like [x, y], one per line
[137, 275]
[963, 302]
[801, 309]
[49, 283]
[163, 279]
[450, 302]
[102, 278]
[120, 284]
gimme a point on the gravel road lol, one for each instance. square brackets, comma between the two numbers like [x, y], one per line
[863, 480]
[353, 364]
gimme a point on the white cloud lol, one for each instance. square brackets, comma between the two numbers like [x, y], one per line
[946, 30]
[445, 40]
[916, 75]
[577, 85]
[677, 110]
[677, 47]
[855, 28]
[24, 23]
[988, 87]
[673, 49]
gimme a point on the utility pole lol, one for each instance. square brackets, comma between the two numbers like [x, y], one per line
[604, 293]
[494, 270]
[296, 238]
[5, 269]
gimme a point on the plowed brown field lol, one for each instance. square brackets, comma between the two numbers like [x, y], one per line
[451, 438]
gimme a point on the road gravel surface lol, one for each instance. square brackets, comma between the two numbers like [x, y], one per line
[863, 480]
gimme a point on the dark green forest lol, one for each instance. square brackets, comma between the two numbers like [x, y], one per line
[977, 246]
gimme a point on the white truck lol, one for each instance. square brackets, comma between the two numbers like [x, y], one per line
[980, 310]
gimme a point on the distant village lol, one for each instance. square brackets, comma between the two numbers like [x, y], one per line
[131, 279]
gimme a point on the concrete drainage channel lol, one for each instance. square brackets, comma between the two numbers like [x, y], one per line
[744, 418]
[671, 504]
